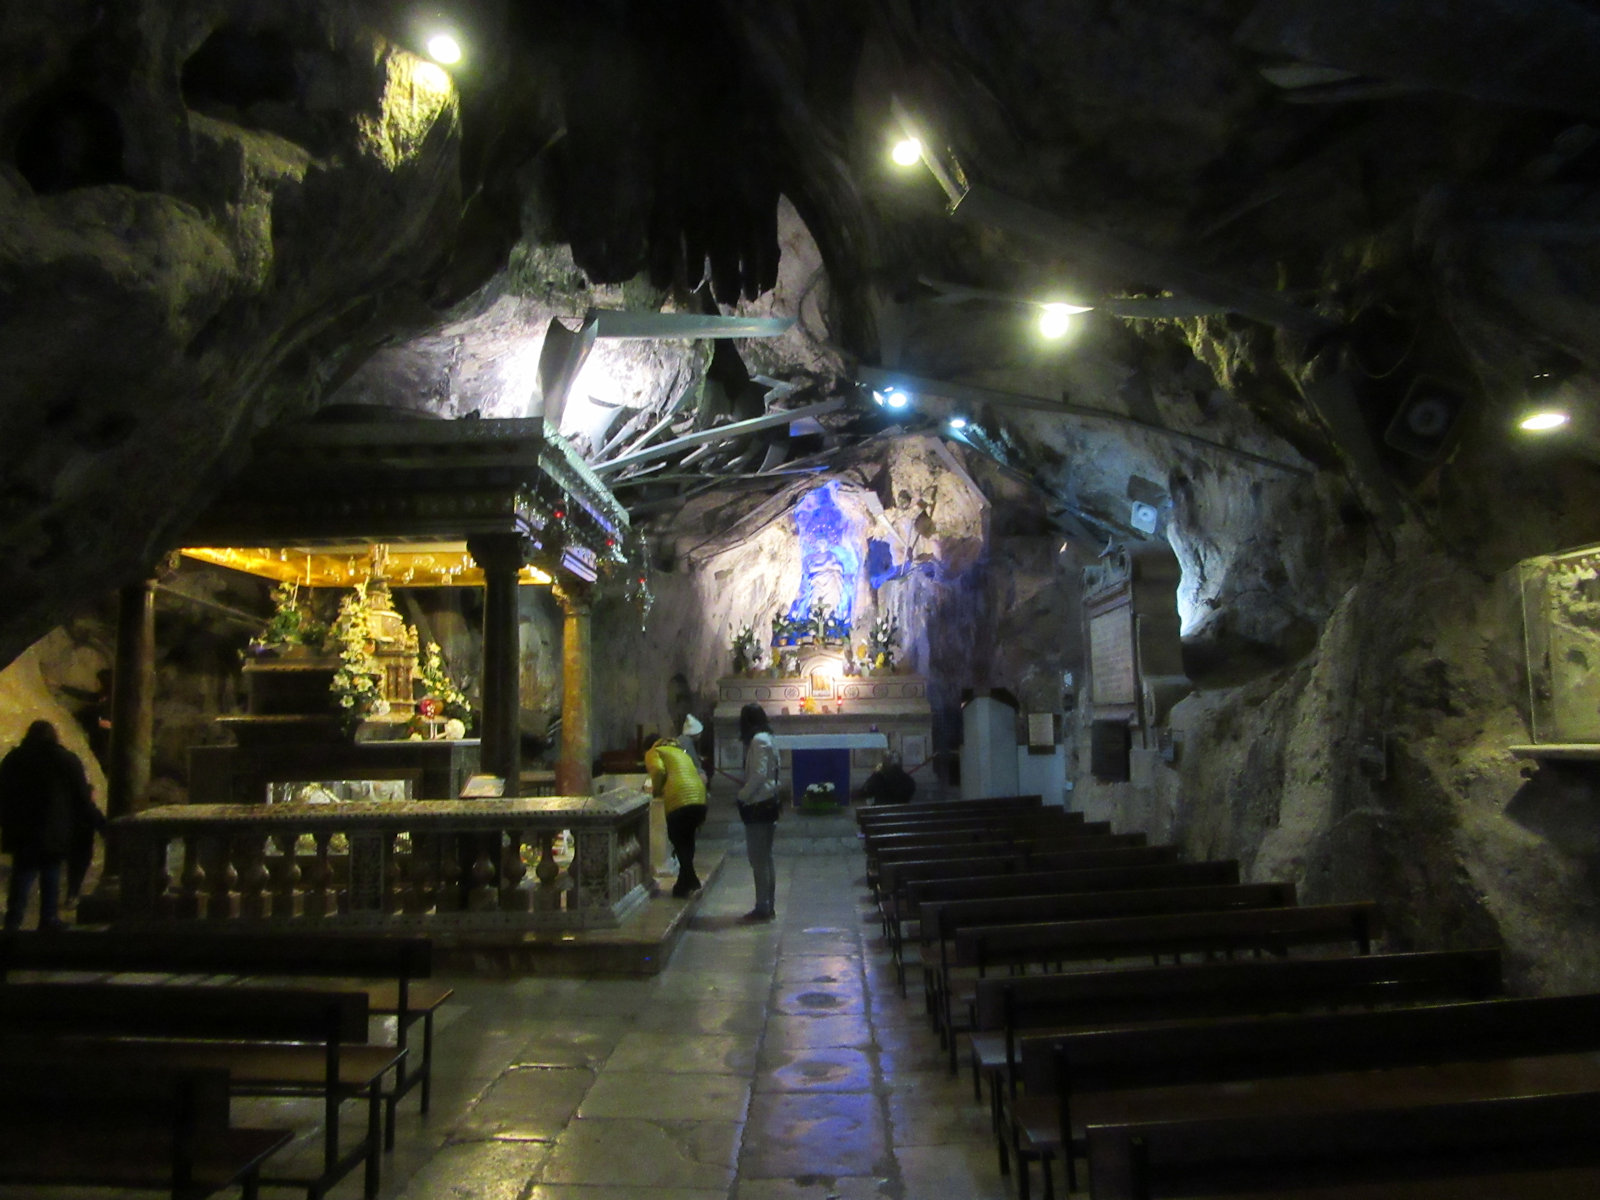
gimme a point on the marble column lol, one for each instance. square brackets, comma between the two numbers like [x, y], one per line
[501, 558]
[573, 774]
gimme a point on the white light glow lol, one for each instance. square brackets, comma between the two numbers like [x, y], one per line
[432, 76]
[907, 152]
[1056, 319]
[1543, 422]
[895, 398]
[444, 48]
[958, 422]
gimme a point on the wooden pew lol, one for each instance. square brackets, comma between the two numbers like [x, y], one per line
[942, 920]
[392, 972]
[866, 817]
[1027, 825]
[932, 824]
[889, 862]
[897, 874]
[1514, 1148]
[1032, 883]
[67, 1122]
[1006, 1008]
[270, 1041]
[1189, 1068]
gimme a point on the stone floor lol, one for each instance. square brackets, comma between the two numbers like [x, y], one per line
[767, 1062]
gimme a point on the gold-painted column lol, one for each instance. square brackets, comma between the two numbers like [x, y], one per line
[573, 775]
[501, 558]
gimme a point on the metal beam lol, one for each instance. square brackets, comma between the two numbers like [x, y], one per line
[614, 323]
[721, 433]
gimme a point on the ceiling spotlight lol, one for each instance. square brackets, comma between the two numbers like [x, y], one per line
[1056, 319]
[907, 152]
[895, 398]
[444, 48]
[958, 422]
[1543, 422]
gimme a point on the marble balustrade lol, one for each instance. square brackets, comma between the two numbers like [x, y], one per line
[422, 865]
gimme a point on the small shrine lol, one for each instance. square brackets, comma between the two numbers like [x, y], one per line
[836, 697]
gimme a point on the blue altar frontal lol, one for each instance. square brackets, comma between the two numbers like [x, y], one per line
[825, 758]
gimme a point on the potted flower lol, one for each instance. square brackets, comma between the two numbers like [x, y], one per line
[442, 698]
[882, 642]
[747, 650]
[819, 798]
[293, 627]
[358, 683]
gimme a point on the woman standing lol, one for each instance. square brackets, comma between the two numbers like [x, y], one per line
[759, 806]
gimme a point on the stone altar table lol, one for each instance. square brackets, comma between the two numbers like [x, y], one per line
[420, 866]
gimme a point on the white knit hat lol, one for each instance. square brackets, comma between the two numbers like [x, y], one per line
[692, 727]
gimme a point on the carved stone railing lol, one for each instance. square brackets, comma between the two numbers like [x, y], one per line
[423, 865]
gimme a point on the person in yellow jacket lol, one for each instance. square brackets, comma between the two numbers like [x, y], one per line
[675, 778]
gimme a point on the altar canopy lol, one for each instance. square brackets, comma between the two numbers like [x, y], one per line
[499, 503]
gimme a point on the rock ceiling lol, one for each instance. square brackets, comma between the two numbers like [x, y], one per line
[1294, 221]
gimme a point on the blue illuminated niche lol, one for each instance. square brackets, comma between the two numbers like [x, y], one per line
[830, 561]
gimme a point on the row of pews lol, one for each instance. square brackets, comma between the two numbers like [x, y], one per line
[1153, 1028]
[123, 1052]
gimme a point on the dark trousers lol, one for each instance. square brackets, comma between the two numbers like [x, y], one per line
[24, 870]
[681, 826]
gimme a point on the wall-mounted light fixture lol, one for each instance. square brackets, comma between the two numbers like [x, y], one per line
[907, 152]
[1544, 421]
[1056, 319]
[892, 397]
[444, 48]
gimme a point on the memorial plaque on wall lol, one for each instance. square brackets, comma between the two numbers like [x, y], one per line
[1111, 663]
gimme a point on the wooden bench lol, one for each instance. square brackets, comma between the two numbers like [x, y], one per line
[1512, 1148]
[867, 817]
[1004, 1009]
[270, 1041]
[993, 829]
[67, 1122]
[942, 920]
[946, 920]
[907, 906]
[1190, 1068]
[392, 972]
[1019, 855]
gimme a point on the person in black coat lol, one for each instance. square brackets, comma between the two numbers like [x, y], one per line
[45, 800]
[890, 783]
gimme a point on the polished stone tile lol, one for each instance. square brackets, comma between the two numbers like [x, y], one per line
[526, 1104]
[968, 1171]
[477, 1171]
[797, 1133]
[786, 1033]
[695, 1054]
[559, 1044]
[929, 1108]
[635, 1153]
[664, 1096]
[814, 1187]
[800, 998]
[817, 1070]
[565, 1191]
[717, 1016]
[818, 968]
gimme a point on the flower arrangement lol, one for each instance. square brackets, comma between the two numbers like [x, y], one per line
[358, 683]
[882, 641]
[819, 797]
[293, 623]
[747, 650]
[441, 694]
